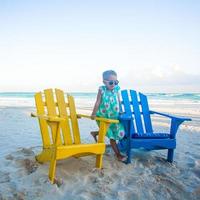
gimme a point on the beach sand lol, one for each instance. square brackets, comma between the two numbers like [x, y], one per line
[149, 176]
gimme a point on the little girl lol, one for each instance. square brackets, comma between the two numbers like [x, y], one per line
[107, 106]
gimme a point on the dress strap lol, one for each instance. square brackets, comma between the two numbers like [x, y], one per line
[117, 88]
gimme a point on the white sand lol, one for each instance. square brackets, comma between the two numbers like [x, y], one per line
[149, 176]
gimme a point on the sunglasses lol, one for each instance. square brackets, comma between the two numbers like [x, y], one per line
[112, 82]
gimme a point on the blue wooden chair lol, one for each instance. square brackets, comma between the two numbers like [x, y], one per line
[138, 126]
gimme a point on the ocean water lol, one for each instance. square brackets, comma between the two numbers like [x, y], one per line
[26, 99]
[18, 99]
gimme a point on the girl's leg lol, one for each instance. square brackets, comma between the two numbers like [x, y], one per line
[116, 150]
[94, 134]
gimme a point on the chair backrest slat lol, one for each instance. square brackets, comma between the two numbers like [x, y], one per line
[74, 120]
[146, 114]
[51, 109]
[62, 107]
[127, 109]
[126, 102]
[43, 124]
[137, 113]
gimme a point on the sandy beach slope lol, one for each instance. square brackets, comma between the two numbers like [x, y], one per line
[149, 176]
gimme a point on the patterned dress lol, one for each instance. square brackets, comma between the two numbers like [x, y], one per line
[109, 108]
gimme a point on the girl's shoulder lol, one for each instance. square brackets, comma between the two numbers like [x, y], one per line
[102, 89]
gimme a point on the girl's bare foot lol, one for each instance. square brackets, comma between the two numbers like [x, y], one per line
[94, 134]
[121, 158]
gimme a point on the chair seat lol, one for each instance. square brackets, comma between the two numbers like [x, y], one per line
[151, 135]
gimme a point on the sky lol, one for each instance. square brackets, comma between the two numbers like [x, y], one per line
[153, 45]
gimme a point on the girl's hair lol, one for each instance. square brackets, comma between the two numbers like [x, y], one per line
[108, 73]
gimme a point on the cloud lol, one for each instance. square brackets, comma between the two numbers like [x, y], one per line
[169, 78]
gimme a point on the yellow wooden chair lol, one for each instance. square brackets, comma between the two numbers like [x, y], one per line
[60, 131]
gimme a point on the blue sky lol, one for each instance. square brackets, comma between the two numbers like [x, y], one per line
[153, 45]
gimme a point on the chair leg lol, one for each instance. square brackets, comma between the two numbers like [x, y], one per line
[170, 155]
[99, 159]
[52, 170]
[128, 153]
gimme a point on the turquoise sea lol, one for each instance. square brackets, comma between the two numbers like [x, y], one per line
[186, 96]
[27, 98]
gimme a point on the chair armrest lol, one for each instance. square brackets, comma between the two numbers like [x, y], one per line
[104, 124]
[170, 116]
[48, 118]
[99, 118]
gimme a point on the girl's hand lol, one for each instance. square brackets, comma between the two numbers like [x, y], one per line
[93, 116]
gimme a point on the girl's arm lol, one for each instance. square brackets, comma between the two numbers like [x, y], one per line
[96, 105]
